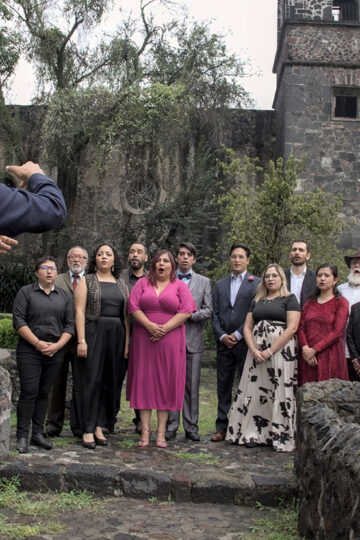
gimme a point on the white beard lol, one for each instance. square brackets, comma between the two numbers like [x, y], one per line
[354, 280]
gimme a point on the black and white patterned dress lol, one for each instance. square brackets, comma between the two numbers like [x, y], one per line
[264, 409]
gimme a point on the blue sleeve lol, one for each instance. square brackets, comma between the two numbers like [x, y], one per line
[38, 209]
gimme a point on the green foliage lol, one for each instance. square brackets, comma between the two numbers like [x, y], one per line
[187, 213]
[282, 523]
[271, 215]
[13, 276]
[8, 336]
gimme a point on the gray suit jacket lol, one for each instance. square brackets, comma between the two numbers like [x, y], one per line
[228, 318]
[200, 288]
[64, 282]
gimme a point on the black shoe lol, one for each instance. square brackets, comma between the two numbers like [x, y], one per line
[52, 432]
[21, 446]
[100, 442]
[170, 435]
[251, 444]
[89, 445]
[38, 439]
[192, 436]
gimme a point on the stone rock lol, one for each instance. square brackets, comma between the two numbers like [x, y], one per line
[327, 459]
[5, 411]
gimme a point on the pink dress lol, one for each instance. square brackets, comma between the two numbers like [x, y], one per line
[156, 374]
[322, 327]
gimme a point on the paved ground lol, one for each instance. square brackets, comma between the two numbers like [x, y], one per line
[202, 472]
[122, 519]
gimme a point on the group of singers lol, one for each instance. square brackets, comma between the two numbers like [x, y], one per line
[278, 331]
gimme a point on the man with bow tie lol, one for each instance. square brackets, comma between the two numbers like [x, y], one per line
[200, 288]
[77, 258]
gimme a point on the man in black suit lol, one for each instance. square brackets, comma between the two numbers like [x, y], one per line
[301, 281]
[232, 297]
[353, 341]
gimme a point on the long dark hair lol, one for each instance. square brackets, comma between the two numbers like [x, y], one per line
[152, 272]
[117, 261]
[334, 270]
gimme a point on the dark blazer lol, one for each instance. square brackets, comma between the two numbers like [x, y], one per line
[227, 318]
[353, 332]
[308, 286]
[39, 208]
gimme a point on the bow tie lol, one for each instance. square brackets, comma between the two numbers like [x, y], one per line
[184, 276]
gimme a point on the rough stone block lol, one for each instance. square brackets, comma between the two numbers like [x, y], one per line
[5, 411]
[100, 480]
[328, 459]
[139, 484]
[39, 478]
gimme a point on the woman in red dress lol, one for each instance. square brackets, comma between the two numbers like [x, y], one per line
[321, 330]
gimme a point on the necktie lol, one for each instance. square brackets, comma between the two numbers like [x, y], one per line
[75, 281]
[184, 276]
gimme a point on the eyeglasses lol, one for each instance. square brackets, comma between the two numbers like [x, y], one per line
[52, 268]
[72, 257]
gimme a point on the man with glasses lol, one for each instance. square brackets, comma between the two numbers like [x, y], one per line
[77, 258]
[232, 297]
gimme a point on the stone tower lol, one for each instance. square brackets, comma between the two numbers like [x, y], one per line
[317, 100]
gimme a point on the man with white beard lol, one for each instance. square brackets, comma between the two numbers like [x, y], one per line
[351, 291]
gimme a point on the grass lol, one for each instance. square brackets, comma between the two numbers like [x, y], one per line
[60, 442]
[23, 506]
[281, 525]
[201, 457]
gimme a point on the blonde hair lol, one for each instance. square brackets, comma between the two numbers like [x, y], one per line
[262, 290]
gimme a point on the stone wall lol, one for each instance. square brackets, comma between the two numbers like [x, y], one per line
[328, 459]
[5, 411]
[315, 61]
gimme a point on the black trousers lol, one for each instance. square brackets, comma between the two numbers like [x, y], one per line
[36, 373]
[227, 361]
[57, 400]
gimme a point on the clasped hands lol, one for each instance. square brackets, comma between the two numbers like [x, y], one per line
[261, 356]
[309, 355]
[156, 331]
[230, 340]
[46, 348]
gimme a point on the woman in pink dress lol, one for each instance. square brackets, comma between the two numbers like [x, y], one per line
[159, 304]
[321, 330]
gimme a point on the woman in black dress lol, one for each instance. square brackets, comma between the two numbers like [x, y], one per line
[43, 315]
[103, 336]
[264, 407]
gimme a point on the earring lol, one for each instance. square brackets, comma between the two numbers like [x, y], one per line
[112, 268]
[95, 267]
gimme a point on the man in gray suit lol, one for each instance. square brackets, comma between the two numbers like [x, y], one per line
[200, 288]
[232, 298]
[77, 258]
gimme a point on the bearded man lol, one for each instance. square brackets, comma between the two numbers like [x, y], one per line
[351, 291]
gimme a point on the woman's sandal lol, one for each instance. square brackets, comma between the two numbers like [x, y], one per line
[160, 444]
[145, 439]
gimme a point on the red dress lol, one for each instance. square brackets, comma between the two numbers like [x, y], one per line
[322, 327]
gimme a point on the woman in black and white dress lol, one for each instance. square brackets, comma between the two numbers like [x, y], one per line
[264, 410]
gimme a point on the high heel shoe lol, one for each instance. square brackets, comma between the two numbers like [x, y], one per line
[90, 445]
[163, 443]
[100, 442]
[145, 439]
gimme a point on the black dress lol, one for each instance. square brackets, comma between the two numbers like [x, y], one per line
[98, 378]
